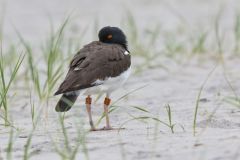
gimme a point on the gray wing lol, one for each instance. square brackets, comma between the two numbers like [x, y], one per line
[96, 61]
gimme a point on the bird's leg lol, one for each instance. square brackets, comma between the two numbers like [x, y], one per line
[106, 105]
[88, 106]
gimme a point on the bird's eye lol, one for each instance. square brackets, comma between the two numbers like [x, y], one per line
[109, 36]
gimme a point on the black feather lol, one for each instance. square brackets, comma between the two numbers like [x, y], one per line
[66, 102]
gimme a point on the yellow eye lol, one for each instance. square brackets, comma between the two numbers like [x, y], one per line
[109, 36]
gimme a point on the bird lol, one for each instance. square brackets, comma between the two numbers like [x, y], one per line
[102, 66]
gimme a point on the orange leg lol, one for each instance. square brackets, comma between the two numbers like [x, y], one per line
[107, 101]
[88, 106]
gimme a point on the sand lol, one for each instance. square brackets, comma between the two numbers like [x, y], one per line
[218, 123]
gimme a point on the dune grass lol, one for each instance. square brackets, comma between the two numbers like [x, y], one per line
[198, 99]
[198, 44]
[219, 35]
[5, 84]
[33, 110]
[148, 117]
[45, 70]
[234, 101]
[146, 50]
[237, 33]
[7, 76]
[53, 58]
[26, 151]
[43, 79]
[169, 113]
[69, 150]
[10, 145]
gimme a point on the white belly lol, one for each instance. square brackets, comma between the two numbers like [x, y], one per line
[108, 85]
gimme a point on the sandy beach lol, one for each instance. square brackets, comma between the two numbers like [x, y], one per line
[174, 80]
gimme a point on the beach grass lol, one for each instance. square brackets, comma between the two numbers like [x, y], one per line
[44, 72]
[52, 58]
[6, 83]
[198, 99]
[69, 150]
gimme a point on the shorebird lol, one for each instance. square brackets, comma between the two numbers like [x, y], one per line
[99, 67]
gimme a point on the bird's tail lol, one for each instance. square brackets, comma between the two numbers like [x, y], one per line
[66, 102]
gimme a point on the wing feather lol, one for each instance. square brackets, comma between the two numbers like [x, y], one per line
[96, 61]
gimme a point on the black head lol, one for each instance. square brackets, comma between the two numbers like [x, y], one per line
[112, 35]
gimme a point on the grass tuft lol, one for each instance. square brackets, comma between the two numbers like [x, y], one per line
[69, 151]
[198, 99]
[5, 84]
[53, 57]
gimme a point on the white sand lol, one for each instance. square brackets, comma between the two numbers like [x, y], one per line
[217, 138]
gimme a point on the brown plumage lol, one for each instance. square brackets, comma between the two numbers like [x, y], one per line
[99, 67]
[95, 61]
